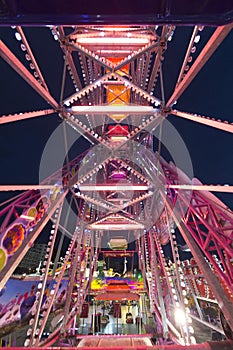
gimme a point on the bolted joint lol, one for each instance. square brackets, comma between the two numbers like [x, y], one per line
[163, 45]
[165, 110]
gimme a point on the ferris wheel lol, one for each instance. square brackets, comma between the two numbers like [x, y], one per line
[115, 171]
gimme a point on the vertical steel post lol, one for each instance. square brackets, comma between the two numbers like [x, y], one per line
[159, 289]
[34, 329]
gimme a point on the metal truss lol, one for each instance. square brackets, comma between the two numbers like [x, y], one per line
[114, 74]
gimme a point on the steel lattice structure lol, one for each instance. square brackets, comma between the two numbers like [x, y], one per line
[121, 183]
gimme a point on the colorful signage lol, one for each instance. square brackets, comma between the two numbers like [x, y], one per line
[17, 300]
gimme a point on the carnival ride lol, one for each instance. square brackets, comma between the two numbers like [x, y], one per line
[120, 190]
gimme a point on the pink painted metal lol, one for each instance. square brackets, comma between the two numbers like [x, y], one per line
[224, 345]
[206, 221]
[212, 229]
[213, 43]
[27, 115]
[218, 124]
[13, 61]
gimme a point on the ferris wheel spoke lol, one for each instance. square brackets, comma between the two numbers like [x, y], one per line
[73, 70]
[9, 268]
[210, 47]
[157, 61]
[211, 188]
[14, 62]
[217, 124]
[187, 55]
[27, 187]
[27, 115]
[32, 58]
[69, 59]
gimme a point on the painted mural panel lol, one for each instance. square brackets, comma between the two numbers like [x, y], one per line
[17, 301]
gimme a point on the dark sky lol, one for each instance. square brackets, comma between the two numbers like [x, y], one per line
[210, 94]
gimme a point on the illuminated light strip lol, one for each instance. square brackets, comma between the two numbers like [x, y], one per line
[208, 300]
[112, 109]
[28, 187]
[118, 138]
[116, 227]
[113, 41]
[115, 29]
[114, 51]
[117, 187]
[31, 218]
[212, 188]
[114, 217]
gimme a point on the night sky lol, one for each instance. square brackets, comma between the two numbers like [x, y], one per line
[210, 94]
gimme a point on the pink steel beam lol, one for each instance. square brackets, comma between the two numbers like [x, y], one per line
[76, 259]
[44, 281]
[53, 296]
[197, 253]
[91, 55]
[13, 61]
[7, 271]
[27, 115]
[209, 222]
[204, 222]
[174, 334]
[87, 89]
[220, 345]
[135, 55]
[157, 61]
[213, 43]
[212, 188]
[73, 70]
[33, 60]
[69, 58]
[218, 124]
[188, 52]
[201, 210]
[27, 187]
[138, 90]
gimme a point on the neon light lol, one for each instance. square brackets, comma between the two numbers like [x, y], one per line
[116, 227]
[113, 41]
[113, 187]
[115, 29]
[112, 109]
[113, 51]
[27, 217]
[118, 138]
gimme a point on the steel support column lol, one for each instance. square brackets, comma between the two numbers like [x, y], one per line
[210, 277]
